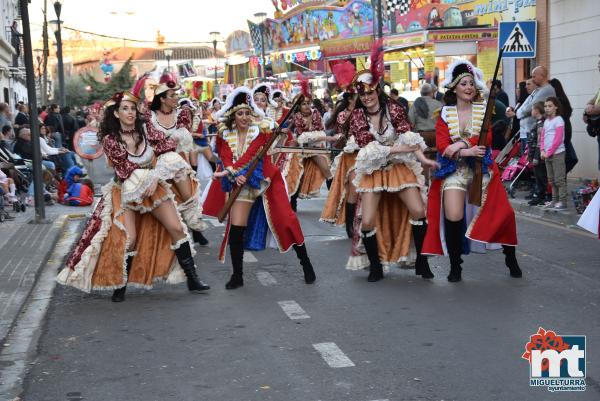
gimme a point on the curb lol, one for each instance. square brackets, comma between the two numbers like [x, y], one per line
[567, 219]
[27, 326]
[58, 227]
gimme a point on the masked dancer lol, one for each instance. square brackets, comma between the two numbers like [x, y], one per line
[388, 177]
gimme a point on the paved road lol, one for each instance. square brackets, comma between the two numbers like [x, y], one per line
[341, 339]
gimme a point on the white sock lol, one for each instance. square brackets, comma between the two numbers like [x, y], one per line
[13, 188]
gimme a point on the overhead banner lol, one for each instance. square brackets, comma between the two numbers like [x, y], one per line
[317, 23]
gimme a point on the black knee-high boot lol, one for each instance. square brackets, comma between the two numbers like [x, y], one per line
[236, 250]
[199, 238]
[375, 269]
[350, 210]
[294, 201]
[186, 261]
[511, 261]
[307, 268]
[421, 265]
[119, 294]
[453, 231]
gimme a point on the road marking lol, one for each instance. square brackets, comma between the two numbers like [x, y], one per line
[293, 310]
[333, 355]
[249, 257]
[266, 278]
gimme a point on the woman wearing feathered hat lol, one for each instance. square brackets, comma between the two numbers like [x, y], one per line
[305, 174]
[263, 196]
[340, 205]
[388, 170]
[175, 123]
[451, 218]
[136, 235]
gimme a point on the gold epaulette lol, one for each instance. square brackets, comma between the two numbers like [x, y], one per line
[436, 113]
[222, 127]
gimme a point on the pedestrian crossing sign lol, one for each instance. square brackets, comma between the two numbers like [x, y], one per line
[518, 38]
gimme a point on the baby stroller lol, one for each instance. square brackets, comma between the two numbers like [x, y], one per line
[514, 165]
[3, 213]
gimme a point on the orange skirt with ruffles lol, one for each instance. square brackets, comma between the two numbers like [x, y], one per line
[334, 211]
[154, 258]
[304, 177]
[393, 178]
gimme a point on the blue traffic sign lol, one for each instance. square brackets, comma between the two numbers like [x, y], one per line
[518, 38]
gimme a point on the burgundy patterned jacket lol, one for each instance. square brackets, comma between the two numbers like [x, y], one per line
[359, 126]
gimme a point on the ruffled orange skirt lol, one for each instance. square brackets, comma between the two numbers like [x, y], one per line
[154, 258]
[334, 211]
[393, 178]
[304, 177]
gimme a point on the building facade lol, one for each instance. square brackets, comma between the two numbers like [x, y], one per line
[12, 70]
[574, 54]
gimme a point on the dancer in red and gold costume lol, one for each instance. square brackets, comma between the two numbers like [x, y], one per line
[340, 206]
[305, 174]
[451, 217]
[263, 193]
[136, 235]
[175, 124]
[388, 177]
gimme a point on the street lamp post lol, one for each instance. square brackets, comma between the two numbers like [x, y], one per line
[168, 54]
[38, 184]
[38, 58]
[260, 20]
[215, 37]
[57, 32]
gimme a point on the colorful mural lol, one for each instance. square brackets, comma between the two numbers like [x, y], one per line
[319, 23]
[463, 13]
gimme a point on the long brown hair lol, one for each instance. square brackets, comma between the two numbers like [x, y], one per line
[111, 126]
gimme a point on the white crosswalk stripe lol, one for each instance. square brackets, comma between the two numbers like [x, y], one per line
[249, 257]
[293, 310]
[333, 355]
[266, 279]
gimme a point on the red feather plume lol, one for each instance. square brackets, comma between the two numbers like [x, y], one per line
[344, 73]
[138, 87]
[304, 85]
[377, 66]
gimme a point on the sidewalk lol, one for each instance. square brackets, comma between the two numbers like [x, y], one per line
[567, 218]
[25, 249]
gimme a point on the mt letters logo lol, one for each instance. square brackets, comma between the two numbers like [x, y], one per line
[556, 362]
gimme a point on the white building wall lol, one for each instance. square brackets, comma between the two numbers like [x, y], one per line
[574, 56]
[8, 13]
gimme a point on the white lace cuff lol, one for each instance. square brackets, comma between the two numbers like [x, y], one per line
[351, 145]
[311, 136]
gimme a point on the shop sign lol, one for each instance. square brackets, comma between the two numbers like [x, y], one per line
[462, 35]
[429, 14]
[406, 40]
[347, 47]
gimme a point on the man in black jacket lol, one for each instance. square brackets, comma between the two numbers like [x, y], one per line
[70, 126]
[54, 119]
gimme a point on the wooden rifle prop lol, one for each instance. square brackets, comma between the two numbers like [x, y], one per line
[235, 192]
[476, 190]
[304, 150]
